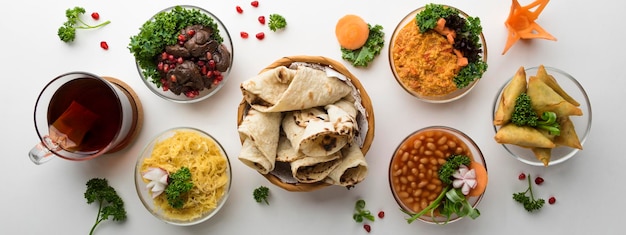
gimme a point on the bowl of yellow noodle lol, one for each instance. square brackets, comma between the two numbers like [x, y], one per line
[208, 176]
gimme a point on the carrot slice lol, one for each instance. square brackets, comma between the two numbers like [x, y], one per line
[352, 32]
[521, 23]
[481, 179]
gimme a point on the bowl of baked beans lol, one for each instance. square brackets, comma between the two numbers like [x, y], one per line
[415, 167]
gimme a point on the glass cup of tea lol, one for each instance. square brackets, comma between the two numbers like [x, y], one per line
[80, 116]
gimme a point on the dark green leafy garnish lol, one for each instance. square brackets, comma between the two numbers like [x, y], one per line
[109, 203]
[261, 194]
[163, 30]
[179, 184]
[360, 213]
[530, 203]
[525, 115]
[277, 22]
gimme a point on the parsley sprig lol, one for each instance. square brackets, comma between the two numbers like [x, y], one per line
[67, 32]
[363, 56]
[530, 203]
[109, 203]
[180, 184]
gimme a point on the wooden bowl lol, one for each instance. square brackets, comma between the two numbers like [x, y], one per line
[365, 100]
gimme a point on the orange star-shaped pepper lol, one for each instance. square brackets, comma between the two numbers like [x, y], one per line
[521, 23]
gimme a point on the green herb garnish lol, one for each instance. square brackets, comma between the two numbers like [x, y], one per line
[163, 30]
[525, 115]
[450, 201]
[179, 184]
[109, 203]
[530, 203]
[261, 194]
[361, 213]
[277, 22]
[67, 32]
[467, 39]
[363, 56]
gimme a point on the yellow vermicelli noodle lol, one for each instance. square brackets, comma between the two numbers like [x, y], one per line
[208, 167]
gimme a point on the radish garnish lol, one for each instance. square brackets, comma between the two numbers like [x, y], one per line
[158, 180]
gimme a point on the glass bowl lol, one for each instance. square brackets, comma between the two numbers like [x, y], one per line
[582, 123]
[207, 161]
[430, 98]
[156, 68]
[414, 166]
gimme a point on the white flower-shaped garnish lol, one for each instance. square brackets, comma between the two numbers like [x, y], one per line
[158, 180]
[465, 179]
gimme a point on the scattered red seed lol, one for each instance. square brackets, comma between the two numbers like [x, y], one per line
[260, 36]
[367, 228]
[381, 214]
[243, 35]
[104, 45]
[538, 180]
[191, 32]
[262, 19]
[239, 9]
[255, 3]
[521, 176]
[551, 200]
[95, 15]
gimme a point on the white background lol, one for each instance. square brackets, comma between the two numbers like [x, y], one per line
[48, 199]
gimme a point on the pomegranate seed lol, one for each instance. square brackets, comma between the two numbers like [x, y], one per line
[255, 3]
[381, 214]
[201, 63]
[211, 64]
[209, 73]
[367, 228]
[260, 36]
[239, 9]
[173, 78]
[216, 81]
[160, 66]
[191, 32]
[164, 56]
[179, 60]
[521, 176]
[166, 68]
[104, 45]
[181, 37]
[538, 180]
[203, 69]
[95, 15]
[243, 35]
[209, 55]
[262, 19]
[552, 200]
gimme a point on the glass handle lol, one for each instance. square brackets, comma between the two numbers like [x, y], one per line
[40, 153]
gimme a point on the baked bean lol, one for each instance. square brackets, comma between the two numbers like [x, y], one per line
[414, 172]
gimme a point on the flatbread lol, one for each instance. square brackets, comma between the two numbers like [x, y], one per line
[342, 114]
[313, 137]
[351, 170]
[283, 89]
[260, 132]
[314, 169]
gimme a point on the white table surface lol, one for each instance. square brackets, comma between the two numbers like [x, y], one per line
[48, 199]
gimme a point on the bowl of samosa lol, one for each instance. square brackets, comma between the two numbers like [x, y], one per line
[542, 116]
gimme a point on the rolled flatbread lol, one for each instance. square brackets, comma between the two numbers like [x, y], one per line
[283, 89]
[351, 170]
[314, 137]
[509, 95]
[260, 132]
[523, 136]
[342, 115]
[543, 99]
[314, 169]
[286, 153]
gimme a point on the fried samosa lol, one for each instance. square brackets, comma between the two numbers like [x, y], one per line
[509, 94]
[544, 99]
[543, 155]
[568, 135]
[549, 80]
[523, 136]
